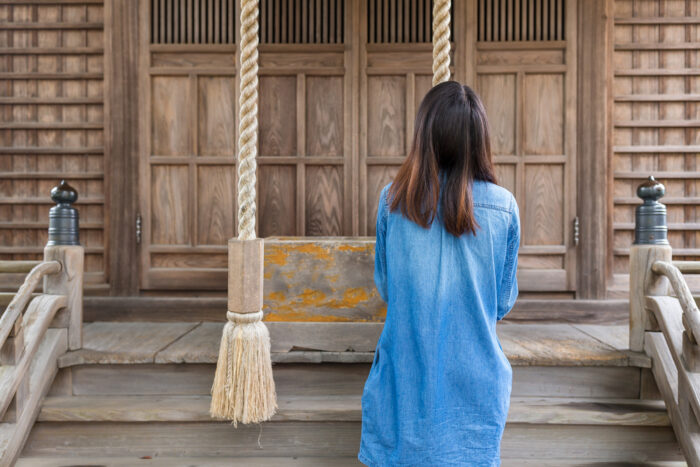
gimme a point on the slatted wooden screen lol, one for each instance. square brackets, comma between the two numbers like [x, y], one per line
[192, 21]
[302, 21]
[51, 125]
[657, 120]
[521, 20]
[401, 21]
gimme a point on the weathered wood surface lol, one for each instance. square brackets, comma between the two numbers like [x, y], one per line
[644, 282]
[350, 461]
[135, 461]
[667, 377]
[321, 279]
[38, 317]
[301, 407]
[524, 344]
[17, 266]
[174, 309]
[335, 379]
[40, 375]
[130, 343]
[68, 282]
[611, 443]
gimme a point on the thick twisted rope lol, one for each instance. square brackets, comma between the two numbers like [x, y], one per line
[441, 41]
[248, 119]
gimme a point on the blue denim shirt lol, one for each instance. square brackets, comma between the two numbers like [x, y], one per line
[438, 391]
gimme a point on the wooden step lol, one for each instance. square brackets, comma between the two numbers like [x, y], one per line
[290, 462]
[528, 410]
[317, 342]
[607, 443]
[618, 382]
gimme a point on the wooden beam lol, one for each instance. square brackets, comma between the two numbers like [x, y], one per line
[121, 142]
[593, 147]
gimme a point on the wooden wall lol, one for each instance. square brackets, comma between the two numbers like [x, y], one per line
[656, 120]
[358, 83]
[51, 124]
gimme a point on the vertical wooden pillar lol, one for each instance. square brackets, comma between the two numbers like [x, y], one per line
[121, 104]
[594, 124]
[68, 282]
[650, 245]
[643, 282]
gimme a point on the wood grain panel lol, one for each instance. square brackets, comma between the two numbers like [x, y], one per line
[377, 177]
[423, 85]
[324, 201]
[543, 109]
[216, 123]
[498, 94]
[216, 185]
[171, 126]
[324, 116]
[543, 212]
[386, 115]
[170, 213]
[278, 113]
[276, 200]
[506, 174]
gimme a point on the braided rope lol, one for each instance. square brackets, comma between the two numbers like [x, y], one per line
[248, 119]
[441, 41]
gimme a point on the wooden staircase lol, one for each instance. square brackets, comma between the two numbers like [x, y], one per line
[138, 394]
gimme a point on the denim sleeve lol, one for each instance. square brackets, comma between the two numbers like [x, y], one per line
[508, 291]
[380, 247]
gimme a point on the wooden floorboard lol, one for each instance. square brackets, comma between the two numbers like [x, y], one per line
[341, 439]
[524, 344]
[213, 309]
[537, 410]
[294, 462]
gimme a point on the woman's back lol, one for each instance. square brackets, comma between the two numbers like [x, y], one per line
[439, 388]
[440, 375]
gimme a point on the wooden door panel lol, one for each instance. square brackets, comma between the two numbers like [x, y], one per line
[497, 92]
[377, 177]
[532, 123]
[216, 188]
[324, 116]
[324, 201]
[386, 116]
[171, 133]
[276, 200]
[216, 131]
[543, 111]
[542, 212]
[170, 220]
[277, 115]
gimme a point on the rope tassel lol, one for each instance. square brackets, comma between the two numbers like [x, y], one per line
[243, 389]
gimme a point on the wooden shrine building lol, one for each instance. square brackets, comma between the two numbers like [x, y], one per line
[135, 104]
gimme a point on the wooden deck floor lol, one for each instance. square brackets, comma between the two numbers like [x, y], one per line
[524, 344]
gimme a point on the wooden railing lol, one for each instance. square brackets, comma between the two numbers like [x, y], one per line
[664, 319]
[38, 327]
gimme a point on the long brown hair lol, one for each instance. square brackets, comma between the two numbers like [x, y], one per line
[451, 137]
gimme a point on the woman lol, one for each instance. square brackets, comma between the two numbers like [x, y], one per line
[438, 390]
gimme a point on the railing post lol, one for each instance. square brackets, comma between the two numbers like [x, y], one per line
[64, 246]
[650, 245]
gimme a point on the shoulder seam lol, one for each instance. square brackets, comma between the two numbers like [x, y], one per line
[493, 206]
